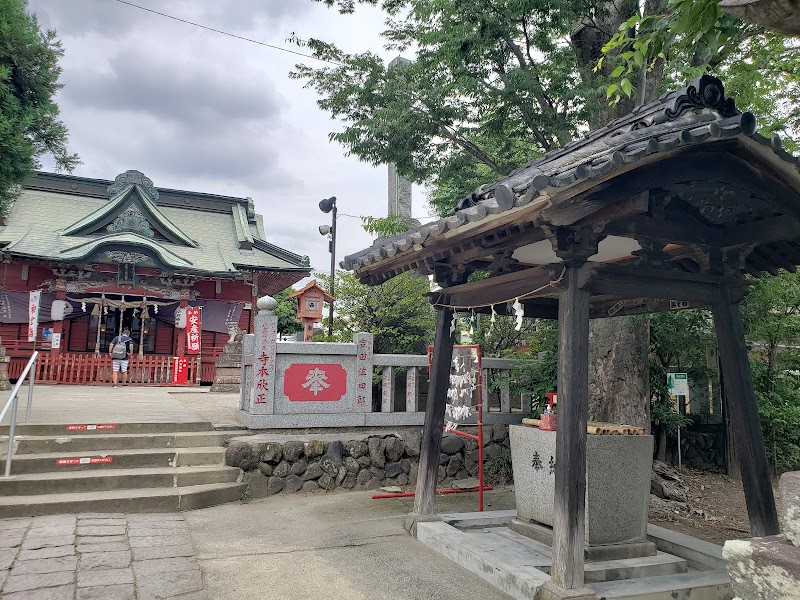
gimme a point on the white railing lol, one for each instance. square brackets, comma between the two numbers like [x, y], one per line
[13, 401]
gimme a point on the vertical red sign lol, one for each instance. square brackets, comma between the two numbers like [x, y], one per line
[192, 330]
[180, 370]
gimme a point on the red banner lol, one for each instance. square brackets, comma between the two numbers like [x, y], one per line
[180, 370]
[192, 330]
[314, 383]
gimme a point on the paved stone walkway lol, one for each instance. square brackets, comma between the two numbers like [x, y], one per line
[93, 556]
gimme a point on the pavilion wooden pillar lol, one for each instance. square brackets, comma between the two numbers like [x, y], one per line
[573, 382]
[748, 439]
[430, 449]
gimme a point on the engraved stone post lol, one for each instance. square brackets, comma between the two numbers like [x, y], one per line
[262, 387]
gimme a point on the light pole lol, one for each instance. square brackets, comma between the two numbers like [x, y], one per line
[326, 206]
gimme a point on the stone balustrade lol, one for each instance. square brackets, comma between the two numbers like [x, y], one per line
[289, 385]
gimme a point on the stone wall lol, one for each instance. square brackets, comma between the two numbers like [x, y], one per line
[280, 463]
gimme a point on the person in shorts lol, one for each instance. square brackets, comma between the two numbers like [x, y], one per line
[120, 350]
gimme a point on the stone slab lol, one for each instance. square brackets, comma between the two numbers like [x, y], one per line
[698, 552]
[51, 552]
[107, 592]
[487, 518]
[45, 565]
[697, 585]
[163, 552]
[61, 592]
[618, 472]
[105, 560]
[18, 583]
[508, 569]
[766, 568]
[98, 577]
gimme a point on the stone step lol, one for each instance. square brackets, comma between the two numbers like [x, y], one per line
[601, 570]
[118, 459]
[697, 585]
[109, 442]
[105, 427]
[225, 387]
[37, 484]
[227, 379]
[149, 500]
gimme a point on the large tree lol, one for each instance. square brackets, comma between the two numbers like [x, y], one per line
[29, 120]
[493, 84]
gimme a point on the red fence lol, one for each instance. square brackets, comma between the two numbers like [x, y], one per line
[95, 369]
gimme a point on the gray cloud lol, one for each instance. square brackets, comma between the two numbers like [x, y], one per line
[158, 84]
[114, 19]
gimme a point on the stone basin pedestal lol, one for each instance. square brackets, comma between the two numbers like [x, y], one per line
[618, 472]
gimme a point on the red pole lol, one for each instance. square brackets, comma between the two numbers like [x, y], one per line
[480, 434]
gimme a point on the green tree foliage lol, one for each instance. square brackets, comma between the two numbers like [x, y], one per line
[689, 37]
[287, 313]
[771, 312]
[397, 312]
[492, 85]
[29, 119]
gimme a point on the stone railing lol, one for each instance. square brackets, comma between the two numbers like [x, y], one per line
[312, 384]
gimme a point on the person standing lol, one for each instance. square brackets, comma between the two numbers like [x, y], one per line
[120, 350]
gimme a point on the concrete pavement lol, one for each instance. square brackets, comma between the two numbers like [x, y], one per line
[330, 545]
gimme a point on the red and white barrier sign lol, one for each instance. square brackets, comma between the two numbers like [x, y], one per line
[87, 460]
[180, 370]
[98, 427]
[34, 299]
[192, 330]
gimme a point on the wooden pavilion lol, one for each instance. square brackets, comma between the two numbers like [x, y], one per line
[675, 205]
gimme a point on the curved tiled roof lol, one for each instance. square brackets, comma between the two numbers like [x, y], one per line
[697, 114]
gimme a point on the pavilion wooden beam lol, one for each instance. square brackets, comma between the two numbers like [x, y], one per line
[496, 290]
[742, 408]
[685, 232]
[569, 509]
[434, 414]
[627, 281]
[775, 229]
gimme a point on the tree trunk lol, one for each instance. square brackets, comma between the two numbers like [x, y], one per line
[781, 15]
[619, 372]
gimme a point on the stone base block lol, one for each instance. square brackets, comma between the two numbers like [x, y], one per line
[790, 504]
[550, 591]
[765, 568]
[544, 535]
[618, 473]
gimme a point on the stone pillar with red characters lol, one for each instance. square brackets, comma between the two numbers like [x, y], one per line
[262, 389]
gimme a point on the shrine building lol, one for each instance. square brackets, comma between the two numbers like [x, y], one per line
[124, 253]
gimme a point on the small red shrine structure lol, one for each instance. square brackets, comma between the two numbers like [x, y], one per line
[309, 307]
[123, 253]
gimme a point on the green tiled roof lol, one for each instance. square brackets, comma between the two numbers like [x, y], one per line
[66, 219]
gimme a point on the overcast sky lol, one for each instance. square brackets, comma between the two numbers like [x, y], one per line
[196, 110]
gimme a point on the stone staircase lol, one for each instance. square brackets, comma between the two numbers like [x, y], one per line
[228, 376]
[124, 467]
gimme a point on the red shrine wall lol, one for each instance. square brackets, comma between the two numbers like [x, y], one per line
[15, 277]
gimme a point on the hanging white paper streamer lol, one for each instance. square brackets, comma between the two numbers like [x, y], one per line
[494, 315]
[453, 325]
[519, 311]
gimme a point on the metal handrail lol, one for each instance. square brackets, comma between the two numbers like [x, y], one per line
[13, 401]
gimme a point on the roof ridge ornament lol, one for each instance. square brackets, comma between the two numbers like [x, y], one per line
[704, 92]
[133, 177]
